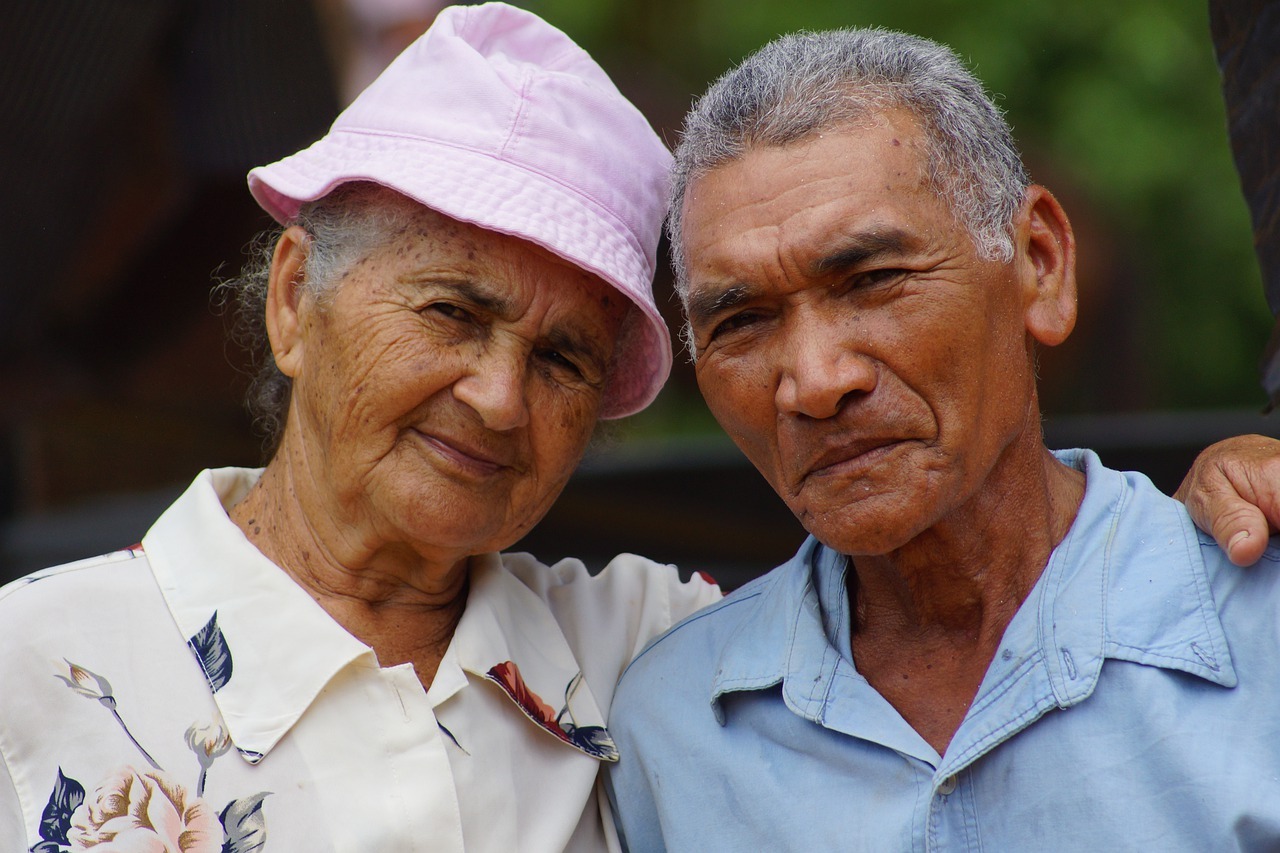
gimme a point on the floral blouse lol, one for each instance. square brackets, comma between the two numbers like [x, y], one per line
[186, 695]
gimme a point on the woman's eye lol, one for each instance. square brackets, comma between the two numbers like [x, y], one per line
[560, 360]
[448, 309]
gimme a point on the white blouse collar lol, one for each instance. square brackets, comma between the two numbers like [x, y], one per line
[268, 649]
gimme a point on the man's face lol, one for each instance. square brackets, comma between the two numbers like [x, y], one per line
[848, 335]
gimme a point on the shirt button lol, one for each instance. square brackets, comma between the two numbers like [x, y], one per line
[947, 786]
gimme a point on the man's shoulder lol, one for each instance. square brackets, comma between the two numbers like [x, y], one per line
[1170, 597]
[1235, 588]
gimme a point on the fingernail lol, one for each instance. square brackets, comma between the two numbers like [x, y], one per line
[1237, 539]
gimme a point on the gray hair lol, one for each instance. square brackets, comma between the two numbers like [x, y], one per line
[806, 82]
[345, 226]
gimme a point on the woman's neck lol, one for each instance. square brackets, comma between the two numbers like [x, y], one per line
[400, 603]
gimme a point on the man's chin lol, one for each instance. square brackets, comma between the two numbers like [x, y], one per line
[869, 526]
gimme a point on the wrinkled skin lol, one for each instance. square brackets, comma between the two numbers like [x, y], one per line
[444, 394]
[850, 338]
[1233, 492]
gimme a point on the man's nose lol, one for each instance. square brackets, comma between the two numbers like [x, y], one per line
[495, 387]
[820, 370]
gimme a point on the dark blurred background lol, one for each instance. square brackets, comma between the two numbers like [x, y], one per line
[127, 126]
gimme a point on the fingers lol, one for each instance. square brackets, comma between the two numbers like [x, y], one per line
[1233, 492]
[1240, 529]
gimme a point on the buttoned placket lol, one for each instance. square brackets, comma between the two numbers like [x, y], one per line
[417, 753]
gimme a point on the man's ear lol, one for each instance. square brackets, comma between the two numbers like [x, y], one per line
[284, 294]
[1047, 244]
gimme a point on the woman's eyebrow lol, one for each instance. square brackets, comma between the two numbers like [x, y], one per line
[575, 342]
[490, 299]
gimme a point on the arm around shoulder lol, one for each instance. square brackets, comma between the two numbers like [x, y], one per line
[659, 598]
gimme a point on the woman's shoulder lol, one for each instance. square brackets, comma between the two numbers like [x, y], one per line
[70, 586]
[608, 616]
[627, 580]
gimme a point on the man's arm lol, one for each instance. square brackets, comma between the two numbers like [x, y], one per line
[1233, 492]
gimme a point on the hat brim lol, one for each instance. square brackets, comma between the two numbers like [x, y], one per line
[485, 190]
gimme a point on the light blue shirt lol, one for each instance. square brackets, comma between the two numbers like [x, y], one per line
[1134, 704]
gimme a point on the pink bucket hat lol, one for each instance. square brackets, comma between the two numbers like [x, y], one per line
[495, 117]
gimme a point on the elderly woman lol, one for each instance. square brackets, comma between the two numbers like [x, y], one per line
[332, 653]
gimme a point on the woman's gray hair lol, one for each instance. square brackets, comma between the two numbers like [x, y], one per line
[345, 226]
[806, 82]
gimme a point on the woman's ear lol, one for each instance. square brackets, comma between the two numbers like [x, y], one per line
[1044, 237]
[284, 293]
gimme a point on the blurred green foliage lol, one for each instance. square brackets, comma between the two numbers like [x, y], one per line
[1118, 108]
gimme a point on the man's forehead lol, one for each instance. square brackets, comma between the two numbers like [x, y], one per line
[823, 190]
[847, 153]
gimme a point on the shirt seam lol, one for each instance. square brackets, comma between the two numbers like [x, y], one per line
[1000, 733]
[997, 736]
[110, 558]
[689, 620]
[813, 689]
[7, 766]
[1204, 595]
[1008, 682]
[1153, 658]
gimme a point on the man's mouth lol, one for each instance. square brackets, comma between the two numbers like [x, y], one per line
[851, 457]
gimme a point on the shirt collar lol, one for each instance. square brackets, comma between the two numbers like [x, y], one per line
[509, 636]
[782, 640]
[1127, 582]
[266, 647]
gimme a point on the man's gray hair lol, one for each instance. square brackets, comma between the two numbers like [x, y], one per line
[344, 227]
[807, 82]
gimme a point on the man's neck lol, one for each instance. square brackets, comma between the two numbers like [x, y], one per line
[929, 617]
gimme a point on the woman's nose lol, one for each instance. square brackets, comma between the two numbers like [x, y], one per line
[496, 389]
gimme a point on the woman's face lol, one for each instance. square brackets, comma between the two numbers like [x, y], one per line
[445, 391]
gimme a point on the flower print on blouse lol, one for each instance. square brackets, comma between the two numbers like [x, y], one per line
[149, 809]
[593, 740]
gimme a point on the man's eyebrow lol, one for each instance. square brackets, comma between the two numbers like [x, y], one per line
[706, 303]
[863, 248]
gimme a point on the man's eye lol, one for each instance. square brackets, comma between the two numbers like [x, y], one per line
[872, 278]
[734, 323]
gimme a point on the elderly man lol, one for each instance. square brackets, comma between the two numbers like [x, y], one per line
[983, 644]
